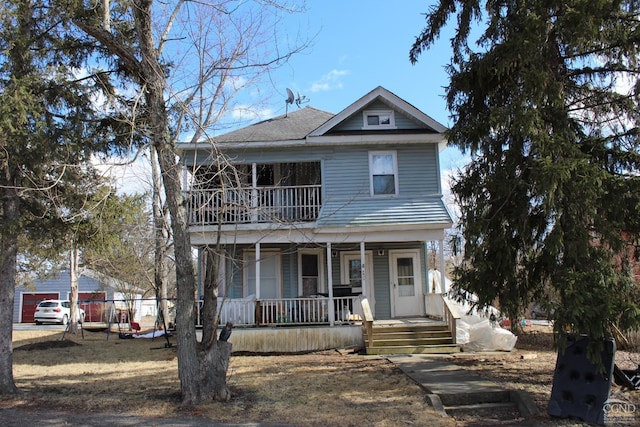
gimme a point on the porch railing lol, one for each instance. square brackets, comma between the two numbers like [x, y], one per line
[284, 311]
[437, 306]
[240, 312]
[451, 316]
[305, 311]
[237, 311]
[254, 205]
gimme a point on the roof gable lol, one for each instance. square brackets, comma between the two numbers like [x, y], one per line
[379, 95]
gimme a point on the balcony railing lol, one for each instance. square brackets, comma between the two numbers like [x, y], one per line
[254, 205]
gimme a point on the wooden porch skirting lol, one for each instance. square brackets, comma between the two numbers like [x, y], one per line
[295, 339]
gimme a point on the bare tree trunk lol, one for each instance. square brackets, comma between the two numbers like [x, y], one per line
[215, 363]
[188, 363]
[209, 312]
[9, 251]
[194, 367]
[74, 256]
[215, 353]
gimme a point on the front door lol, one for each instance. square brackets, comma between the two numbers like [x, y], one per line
[406, 283]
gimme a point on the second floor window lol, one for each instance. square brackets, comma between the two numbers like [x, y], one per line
[384, 173]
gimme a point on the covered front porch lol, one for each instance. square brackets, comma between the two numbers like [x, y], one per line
[293, 277]
[265, 334]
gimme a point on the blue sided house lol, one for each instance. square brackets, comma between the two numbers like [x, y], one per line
[307, 214]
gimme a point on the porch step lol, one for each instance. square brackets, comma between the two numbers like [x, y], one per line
[411, 339]
[414, 349]
[488, 404]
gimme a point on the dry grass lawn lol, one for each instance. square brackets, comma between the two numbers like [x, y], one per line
[140, 377]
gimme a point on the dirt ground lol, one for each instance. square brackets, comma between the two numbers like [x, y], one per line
[93, 375]
[530, 367]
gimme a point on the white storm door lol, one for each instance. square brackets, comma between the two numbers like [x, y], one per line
[406, 283]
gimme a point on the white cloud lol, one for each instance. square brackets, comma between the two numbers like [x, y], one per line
[329, 81]
[128, 176]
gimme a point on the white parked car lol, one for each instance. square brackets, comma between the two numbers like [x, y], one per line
[55, 311]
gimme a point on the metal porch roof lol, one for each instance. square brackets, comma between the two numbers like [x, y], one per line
[383, 211]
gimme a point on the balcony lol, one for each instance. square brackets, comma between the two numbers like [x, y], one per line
[247, 205]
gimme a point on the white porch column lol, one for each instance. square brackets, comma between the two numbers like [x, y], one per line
[428, 285]
[332, 308]
[363, 270]
[254, 192]
[258, 270]
[443, 283]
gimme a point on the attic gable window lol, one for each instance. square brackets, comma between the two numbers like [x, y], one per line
[378, 119]
[383, 169]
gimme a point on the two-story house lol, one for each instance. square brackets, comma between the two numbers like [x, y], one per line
[310, 211]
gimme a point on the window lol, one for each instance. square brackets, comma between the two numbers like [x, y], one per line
[405, 276]
[379, 120]
[384, 175]
[351, 272]
[270, 267]
[264, 176]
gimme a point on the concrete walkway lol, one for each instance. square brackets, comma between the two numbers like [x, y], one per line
[450, 387]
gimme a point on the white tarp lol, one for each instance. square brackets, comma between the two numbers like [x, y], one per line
[152, 334]
[475, 333]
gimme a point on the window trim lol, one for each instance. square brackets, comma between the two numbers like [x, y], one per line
[394, 157]
[367, 113]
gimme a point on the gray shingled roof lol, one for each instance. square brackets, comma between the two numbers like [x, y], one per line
[383, 211]
[296, 124]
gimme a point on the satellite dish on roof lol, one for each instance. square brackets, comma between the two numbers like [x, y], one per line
[301, 100]
[290, 97]
[289, 100]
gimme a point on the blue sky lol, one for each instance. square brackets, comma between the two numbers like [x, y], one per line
[360, 45]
